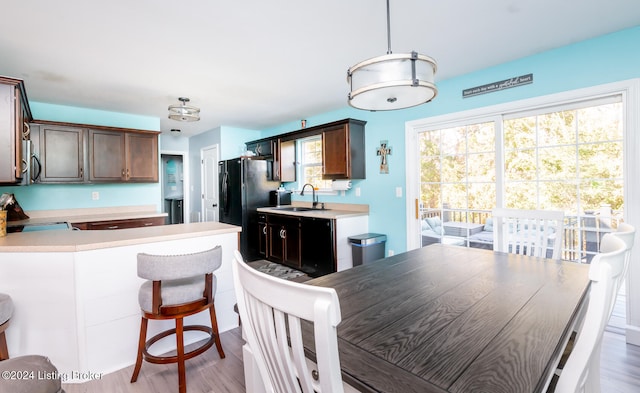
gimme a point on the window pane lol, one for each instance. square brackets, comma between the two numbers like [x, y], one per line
[600, 123]
[454, 168]
[520, 133]
[591, 158]
[557, 163]
[556, 128]
[481, 137]
[520, 165]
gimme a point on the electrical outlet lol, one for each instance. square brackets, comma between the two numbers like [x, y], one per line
[390, 253]
[95, 195]
[357, 191]
[399, 192]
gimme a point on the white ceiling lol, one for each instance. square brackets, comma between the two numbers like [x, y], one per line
[256, 63]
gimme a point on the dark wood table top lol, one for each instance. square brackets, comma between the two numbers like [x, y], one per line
[454, 319]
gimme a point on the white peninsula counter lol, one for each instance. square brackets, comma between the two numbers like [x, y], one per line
[76, 292]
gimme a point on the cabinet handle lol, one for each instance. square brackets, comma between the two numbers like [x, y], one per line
[127, 173]
[146, 224]
[283, 233]
[113, 227]
[26, 131]
[123, 173]
[264, 230]
[81, 172]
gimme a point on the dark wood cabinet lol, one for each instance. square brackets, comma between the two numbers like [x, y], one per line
[123, 156]
[261, 235]
[62, 154]
[141, 157]
[304, 243]
[318, 256]
[106, 153]
[93, 154]
[343, 150]
[283, 235]
[14, 116]
[120, 224]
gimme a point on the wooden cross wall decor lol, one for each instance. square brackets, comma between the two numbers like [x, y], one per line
[383, 151]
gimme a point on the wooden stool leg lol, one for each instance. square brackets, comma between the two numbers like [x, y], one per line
[214, 327]
[141, 344]
[182, 379]
[4, 351]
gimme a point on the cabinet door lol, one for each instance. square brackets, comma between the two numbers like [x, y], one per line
[62, 154]
[262, 236]
[287, 159]
[292, 243]
[7, 135]
[318, 246]
[335, 153]
[141, 157]
[275, 247]
[106, 156]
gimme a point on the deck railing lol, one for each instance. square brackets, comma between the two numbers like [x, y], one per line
[581, 238]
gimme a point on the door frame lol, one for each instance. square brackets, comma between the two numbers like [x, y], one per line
[185, 184]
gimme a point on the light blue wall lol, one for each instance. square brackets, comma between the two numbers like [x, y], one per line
[52, 196]
[605, 59]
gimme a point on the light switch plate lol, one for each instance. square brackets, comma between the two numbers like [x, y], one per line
[399, 192]
[95, 195]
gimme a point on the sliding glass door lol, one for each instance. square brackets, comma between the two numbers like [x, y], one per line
[567, 157]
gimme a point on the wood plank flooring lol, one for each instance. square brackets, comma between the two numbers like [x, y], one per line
[208, 373]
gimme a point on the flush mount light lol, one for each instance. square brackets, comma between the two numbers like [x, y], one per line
[392, 81]
[175, 131]
[184, 112]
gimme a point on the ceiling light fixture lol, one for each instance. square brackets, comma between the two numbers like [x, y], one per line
[184, 112]
[175, 131]
[392, 81]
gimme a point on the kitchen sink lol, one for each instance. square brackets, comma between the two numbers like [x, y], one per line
[298, 209]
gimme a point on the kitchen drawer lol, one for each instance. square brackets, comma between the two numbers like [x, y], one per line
[120, 224]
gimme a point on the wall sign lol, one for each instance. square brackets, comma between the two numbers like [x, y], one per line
[497, 86]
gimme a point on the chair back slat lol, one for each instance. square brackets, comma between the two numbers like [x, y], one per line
[536, 233]
[272, 311]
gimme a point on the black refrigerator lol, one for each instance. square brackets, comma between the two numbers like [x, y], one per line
[244, 186]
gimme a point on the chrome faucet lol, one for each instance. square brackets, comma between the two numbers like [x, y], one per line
[314, 198]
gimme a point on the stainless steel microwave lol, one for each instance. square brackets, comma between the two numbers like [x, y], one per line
[31, 166]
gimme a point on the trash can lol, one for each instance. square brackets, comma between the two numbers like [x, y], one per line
[367, 247]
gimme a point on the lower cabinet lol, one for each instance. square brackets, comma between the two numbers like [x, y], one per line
[119, 224]
[283, 235]
[318, 246]
[304, 243]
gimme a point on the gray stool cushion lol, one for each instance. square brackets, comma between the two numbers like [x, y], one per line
[174, 291]
[45, 377]
[6, 308]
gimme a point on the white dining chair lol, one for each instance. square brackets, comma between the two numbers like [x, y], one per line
[627, 233]
[271, 310]
[581, 374]
[536, 233]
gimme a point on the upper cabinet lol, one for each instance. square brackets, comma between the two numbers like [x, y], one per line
[343, 150]
[80, 153]
[14, 117]
[343, 155]
[62, 153]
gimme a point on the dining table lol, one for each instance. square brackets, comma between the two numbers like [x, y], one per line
[455, 319]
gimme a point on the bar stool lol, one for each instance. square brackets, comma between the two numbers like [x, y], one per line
[177, 286]
[6, 311]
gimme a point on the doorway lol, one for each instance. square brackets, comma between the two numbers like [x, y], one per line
[173, 187]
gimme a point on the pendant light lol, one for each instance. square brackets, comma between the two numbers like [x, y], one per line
[184, 112]
[392, 81]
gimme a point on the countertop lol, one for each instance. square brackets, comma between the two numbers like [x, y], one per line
[333, 211]
[71, 241]
[74, 216]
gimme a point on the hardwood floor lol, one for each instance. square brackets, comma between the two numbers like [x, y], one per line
[208, 373]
